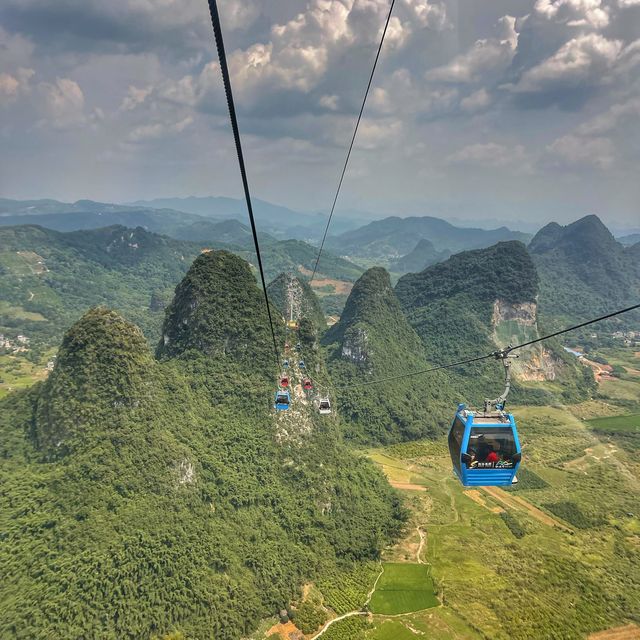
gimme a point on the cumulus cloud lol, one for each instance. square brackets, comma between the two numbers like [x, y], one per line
[64, 103]
[491, 54]
[135, 97]
[583, 60]
[12, 86]
[490, 154]
[329, 102]
[428, 14]
[156, 130]
[577, 151]
[611, 118]
[575, 13]
[477, 101]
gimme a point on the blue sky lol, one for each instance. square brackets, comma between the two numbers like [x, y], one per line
[523, 111]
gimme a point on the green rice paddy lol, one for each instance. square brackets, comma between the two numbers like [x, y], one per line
[403, 588]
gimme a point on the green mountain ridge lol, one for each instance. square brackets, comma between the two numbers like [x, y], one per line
[475, 302]
[60, 275]
[584, 271]
[159, 499]
[374, 340]
[295, 299]
[50, 278]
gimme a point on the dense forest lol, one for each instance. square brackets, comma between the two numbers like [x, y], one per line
[585, 272]
[452, 307]
[148, 495]
[373, 340]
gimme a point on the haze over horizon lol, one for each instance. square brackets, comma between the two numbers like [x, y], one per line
[520, 112]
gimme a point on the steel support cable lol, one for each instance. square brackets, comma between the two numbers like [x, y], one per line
[222, 57]
[500, 353]
[353, 138]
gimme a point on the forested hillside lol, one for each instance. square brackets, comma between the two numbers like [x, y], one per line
[584, 271]
[479, 300]
[299, 257]
[145, 496]
[296, 300]
[48, 279]
[373, 340]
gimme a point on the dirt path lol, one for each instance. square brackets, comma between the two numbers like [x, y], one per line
[476, 496]
[520, 504]
[627, 632]
[406, 485]
[350, 614]
[342, 617]
[423, 537]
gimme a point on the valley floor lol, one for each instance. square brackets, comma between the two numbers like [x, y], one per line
[556, 556]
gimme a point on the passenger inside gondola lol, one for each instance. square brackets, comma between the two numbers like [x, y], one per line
[490, 447]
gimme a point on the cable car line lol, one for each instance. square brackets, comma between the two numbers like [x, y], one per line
[500, 354]
[217, 31]
[353, 138]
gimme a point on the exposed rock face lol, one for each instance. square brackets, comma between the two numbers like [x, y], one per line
[536, 363]
[295, 299]
[524, 313]
[355, 346]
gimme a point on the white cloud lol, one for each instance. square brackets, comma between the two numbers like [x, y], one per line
[135, 97]
[490, 154]
[329, 102]
[427, 14]
[64, 103]
[477, 101]
[492, 54]
[238, 14]
[373, 134]
[628, 3]
[14, 85]
[580, 61]
[157, 130]
[577, 151]
[575, 13]
[607, 121]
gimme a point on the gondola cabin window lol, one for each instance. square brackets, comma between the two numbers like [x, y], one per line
[455, 441]
[491, 447]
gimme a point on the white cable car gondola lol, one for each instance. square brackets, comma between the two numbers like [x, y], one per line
[324, 406]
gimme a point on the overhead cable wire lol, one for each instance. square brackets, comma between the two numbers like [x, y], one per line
[353, 138]
[500, 353]
[217, 31]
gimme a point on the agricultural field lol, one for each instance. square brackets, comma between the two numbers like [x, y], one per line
[403, 588]
[555, 556]
[616, 424]
[16, 372]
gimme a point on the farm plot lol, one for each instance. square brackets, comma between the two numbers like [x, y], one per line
[616, 424]
[403, 588]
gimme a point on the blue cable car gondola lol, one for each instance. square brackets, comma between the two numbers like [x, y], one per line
[283, 400]
[484, 446]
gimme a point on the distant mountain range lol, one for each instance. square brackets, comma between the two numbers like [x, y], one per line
[280, 221]
[423, 255]
[388, 239]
